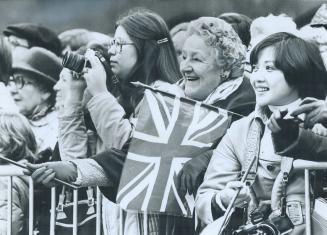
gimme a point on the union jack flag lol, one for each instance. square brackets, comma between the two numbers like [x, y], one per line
[169, 132]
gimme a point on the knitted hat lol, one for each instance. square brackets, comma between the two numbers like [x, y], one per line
[320, 18]
[36, 35]
[38, 61]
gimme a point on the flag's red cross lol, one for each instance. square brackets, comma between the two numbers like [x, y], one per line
[168, 133]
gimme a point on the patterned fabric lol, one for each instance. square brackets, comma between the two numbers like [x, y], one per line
[169, 132]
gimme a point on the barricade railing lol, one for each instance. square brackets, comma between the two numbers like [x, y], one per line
[11, 171]
[307, 166]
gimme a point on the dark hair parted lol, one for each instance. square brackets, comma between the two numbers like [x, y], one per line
[299, 60]
[156, 61]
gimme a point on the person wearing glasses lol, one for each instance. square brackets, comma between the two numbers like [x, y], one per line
[142, 50]
[35, 71]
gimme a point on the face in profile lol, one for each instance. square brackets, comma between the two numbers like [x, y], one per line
[269, 82]
[123, 54]
[26, 93]
[64, 85]
[199, 68]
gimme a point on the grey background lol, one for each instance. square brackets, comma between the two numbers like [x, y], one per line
[100, 15]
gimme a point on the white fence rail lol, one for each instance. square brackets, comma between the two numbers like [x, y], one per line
[11, 171]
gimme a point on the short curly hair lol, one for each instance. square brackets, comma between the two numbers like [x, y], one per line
[222, 37]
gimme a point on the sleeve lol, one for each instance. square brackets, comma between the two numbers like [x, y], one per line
[223, 167]
[90, 173]
[306, 145]
[72, 133]
[110, 120]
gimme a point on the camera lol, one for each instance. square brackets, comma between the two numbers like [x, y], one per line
[260, 223]
[75, 62]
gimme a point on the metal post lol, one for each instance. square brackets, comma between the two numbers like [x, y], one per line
[121, 221]
[98, 216]
[307, 202]
[53, 211]
[145, 222]
[75, 211]
[31, 206]
[9, 206]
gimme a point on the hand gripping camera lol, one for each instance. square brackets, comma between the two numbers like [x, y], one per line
[261, 224]
[77, 63]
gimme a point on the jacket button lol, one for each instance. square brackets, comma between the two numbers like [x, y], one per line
[270, 167]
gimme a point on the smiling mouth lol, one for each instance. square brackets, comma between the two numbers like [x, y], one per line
[191, 78]
[261, 89]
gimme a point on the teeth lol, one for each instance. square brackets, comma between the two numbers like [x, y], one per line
[261, 89]
[191, 78]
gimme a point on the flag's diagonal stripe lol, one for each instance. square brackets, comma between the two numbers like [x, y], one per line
[148, 181]
[219, 123]
[164, 105]
[202, 124]
[176, 166]
[163, 132]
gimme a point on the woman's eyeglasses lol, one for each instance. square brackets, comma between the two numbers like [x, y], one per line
[18, 81]
[118, 45]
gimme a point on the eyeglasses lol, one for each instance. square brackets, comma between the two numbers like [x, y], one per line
[18, 81]
[118, 44]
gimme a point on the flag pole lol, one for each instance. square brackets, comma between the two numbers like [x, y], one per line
[187, 100]
[25, 167]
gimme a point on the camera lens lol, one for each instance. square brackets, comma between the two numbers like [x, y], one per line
[73, 62]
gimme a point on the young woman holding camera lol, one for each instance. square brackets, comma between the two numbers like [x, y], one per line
[141, 50]
[286, 69]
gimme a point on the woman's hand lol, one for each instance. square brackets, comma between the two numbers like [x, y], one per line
[315, 112]
[46, 172]
[70, 89]
[95, 76]
[275, 123]
[76, 89]
[229, 191]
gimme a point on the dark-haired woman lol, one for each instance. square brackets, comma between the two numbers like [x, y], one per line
[141, 50]
[286, 69]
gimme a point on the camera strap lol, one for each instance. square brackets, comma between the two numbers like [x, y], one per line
[285, 168]
[252, 149]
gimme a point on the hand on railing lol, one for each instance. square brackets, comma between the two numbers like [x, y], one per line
[46, 173]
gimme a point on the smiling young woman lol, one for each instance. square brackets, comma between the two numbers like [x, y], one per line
[285, 70]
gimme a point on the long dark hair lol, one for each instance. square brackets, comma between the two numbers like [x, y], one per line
[156, 61]
[299, 60]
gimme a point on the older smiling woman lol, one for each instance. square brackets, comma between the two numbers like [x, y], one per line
[212, 67]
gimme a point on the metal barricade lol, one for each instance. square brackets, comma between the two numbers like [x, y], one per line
[75, 210]
[307, 166]
[11, 171]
